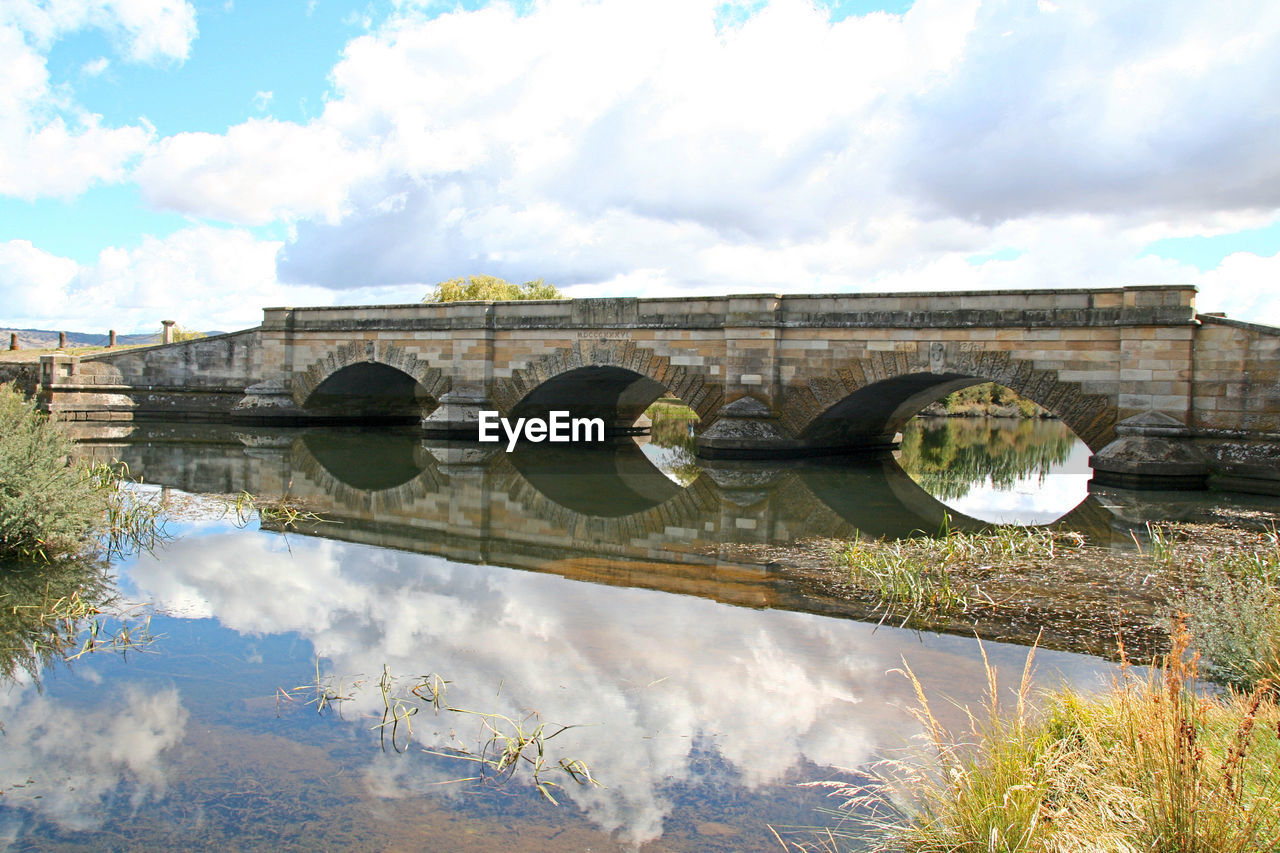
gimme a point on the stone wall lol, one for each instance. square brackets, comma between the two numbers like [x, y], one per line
[202, 378]
[1236, 384]
[24, 376]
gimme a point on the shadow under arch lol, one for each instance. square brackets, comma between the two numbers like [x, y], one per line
[367, 381]
[610, 379]
[872, 399]
[609, 481]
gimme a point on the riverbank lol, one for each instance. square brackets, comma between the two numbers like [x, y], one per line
[1077, 597]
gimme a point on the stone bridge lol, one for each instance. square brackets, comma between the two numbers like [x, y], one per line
[1163, 395]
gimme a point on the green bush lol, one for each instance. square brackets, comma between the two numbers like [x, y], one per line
[1236, 620]
[49, 508]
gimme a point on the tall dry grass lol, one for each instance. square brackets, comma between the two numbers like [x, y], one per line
[1151, 764]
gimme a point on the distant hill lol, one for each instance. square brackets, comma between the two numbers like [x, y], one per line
[46, 339]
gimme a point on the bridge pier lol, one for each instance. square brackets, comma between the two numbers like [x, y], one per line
[1151, 451]
[747, 429]
[458, 415]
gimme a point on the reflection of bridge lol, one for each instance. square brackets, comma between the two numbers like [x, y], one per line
[594, 514]
[391, 488]
[769, 375]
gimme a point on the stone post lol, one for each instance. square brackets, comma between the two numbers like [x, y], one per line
[62, 340]
[13, 340]
[111, 339]
[167, 336]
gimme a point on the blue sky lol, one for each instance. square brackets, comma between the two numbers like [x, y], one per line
[200, 161]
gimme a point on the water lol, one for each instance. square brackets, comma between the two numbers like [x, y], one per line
[596, 589]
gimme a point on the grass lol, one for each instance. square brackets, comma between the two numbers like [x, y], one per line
[1153, 763]
[281, 513]
[1232, 605]
[917, 576]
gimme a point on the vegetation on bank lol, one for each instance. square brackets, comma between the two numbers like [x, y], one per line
[930, 575]
[489, 288]
[60, 524]
[1150, 764]
[1157, 762]
[1232, 607]
[48, 508]
[987, 400]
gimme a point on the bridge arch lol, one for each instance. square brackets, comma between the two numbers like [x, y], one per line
[613, 379]
[369, 379]
[871, 398]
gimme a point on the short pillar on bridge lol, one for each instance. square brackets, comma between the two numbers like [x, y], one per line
[166, 335]
[1151, 451]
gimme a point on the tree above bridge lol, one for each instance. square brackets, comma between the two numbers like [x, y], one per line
[491, 289]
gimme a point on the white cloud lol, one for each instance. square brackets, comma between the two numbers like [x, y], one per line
[50, 146]
[788, 153]
[1245, 286]
[203, 277]
[32, 281]
[54, 159]
[71, 769]
[631, 147]
[260, 171]
[647, 683]
[143, 30]
[95, 67]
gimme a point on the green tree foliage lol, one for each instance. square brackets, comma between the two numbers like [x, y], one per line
[181, 334]
[490, 288]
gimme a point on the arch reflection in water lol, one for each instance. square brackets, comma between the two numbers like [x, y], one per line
[1001, 470]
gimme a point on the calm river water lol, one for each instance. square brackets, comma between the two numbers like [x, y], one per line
[586, 588]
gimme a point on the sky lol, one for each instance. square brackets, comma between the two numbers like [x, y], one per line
[199, 161]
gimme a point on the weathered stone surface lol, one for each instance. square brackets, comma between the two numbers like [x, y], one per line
[822, 371]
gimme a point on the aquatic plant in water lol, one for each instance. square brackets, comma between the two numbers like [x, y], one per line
[1231, 605]
[916, 576]
[505, 745]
